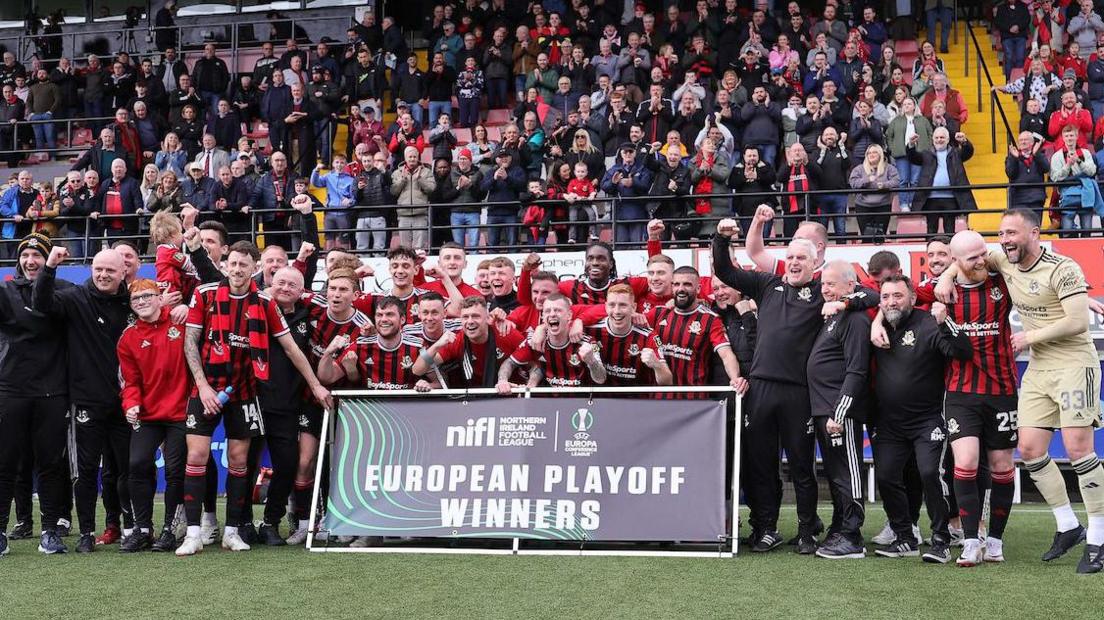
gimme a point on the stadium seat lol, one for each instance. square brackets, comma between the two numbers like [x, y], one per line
[498, 117]
[494, 133]
[1016, 74]
[427, 156]
[463, 135]
[912, 225]
[907, 46]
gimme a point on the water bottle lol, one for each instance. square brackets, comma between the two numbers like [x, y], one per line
[224, 395]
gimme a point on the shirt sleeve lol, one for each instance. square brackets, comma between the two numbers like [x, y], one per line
[197, 310]
[653, 343]
[277, 326]
[130, 374]
[522, 355]
[1068, 280]
[717, 335]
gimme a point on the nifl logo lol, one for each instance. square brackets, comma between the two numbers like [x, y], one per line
[476, 433]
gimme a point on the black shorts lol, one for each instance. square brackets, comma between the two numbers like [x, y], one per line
[310, 421]
[242, 419]
[992, 419]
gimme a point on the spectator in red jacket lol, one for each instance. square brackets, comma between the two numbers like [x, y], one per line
[1070, 113]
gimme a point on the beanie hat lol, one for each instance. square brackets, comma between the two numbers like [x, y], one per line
[465, 153]
[38, 242]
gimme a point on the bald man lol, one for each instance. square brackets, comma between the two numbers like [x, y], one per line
[94, 315]
[980, 406]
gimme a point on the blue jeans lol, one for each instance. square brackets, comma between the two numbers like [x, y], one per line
[44, 132]
[1097, 109]
[211, 100]
[519, 83]
[468, 237]
[94, 109]
[469, 112]
[833, 208]
[632, 232]
[910, 175]
[1015, 50]
[944, 16]
[436, 109]
[1081, 216]
[496, 92]
[768, 153]
[323, 132]
[506, 234]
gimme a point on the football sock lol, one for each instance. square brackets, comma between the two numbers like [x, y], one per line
[210, 496]
[1048, 479]
[1000, 501]
[194, 487]
[193, 531]
[237, 490]
[302, 495]
[1090, 477]
[969, 504]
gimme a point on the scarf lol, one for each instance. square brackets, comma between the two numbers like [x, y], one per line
[797, 183]
[490, 363]
[702, 206]
[256, 324]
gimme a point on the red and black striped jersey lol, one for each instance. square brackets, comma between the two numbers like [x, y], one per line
[561, 366]
[366, 303]
[621, 353]
[381, 368]
[324, 328]
[688, 340]
[241, 375]
[417, 330]
[581, 292]
[981, 312]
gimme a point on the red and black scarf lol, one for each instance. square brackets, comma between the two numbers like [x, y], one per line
[702, 206]
[798, 183]
[256, 324]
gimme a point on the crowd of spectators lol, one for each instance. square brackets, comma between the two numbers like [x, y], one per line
[654, 114]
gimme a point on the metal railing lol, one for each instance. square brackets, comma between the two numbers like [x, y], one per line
[995, 105]
[19, 130]
[25, 44]
[98, 232]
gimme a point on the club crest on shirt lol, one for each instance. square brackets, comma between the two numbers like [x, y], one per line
[1033, 287]
[83, 417]
[995, 294]
[173, 333]
[909, 339]
[178, 257]
[647, 307]
[634, 349]
[302, 327]
[805, 294]
[407, 362]
[303, 421]
[695, 327]
[573, 360]
[952, 426]
[831, 326]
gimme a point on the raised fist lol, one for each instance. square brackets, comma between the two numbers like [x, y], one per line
[727, 227]
[587, 351]
[58, 254]
[655, 229]
[764, 214]
[531, 262]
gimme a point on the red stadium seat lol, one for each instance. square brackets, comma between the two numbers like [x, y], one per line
[912, 225]
[906, 46]
[494, 133]
[498, 117]
[463, 135]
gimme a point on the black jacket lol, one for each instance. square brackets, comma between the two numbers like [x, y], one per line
[285, 392]
[742, 330]
[909, 382]
[93, 322]
[956, 170]
[1031, 171]
[763, 182]
[838, 367]
[32, 346]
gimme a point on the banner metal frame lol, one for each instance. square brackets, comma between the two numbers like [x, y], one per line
[726, 548]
